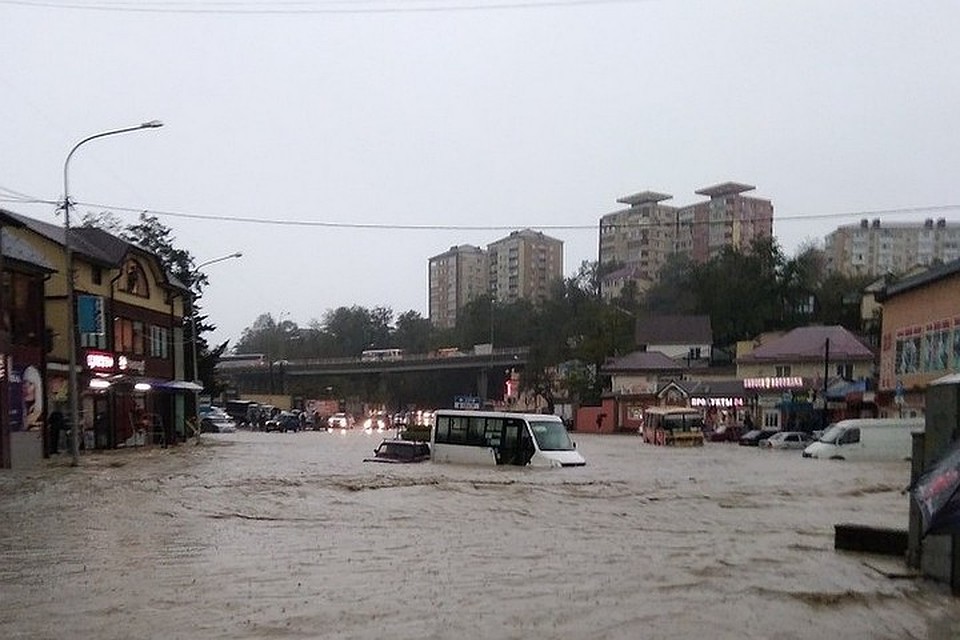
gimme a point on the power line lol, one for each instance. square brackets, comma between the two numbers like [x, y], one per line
[19, 197]
[264, 8]
[925, 210]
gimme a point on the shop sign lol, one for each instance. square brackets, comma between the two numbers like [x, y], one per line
[716, 402]
[773, 383]
[100, 361]
[137, 366]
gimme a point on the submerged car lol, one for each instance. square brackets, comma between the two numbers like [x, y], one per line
[283, 421]
[400, 451]
[725, 433]
[216, 420]
[756, 436]
[786, 440]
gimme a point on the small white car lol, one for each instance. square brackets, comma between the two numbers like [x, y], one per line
[786, 440]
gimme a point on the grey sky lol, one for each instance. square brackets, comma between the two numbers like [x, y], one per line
[519, 117]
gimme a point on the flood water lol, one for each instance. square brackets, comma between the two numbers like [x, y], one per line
[254, 535]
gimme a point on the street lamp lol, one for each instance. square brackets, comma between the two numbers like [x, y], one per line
[71, 294]
[193, 314]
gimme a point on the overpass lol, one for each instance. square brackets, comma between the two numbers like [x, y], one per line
[310, 377]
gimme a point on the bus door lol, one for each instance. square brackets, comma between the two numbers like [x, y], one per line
[510, 442]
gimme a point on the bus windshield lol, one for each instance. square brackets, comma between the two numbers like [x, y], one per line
[551, 435]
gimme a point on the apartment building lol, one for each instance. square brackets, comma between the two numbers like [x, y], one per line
[873, 249]
[727, 219]
[648, 232]
[456, 277]
[524, 265]
[640, 237]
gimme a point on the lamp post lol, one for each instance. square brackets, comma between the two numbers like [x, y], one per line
[193, 315]
[71, 293]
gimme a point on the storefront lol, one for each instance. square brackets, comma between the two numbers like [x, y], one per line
[123, 405]
[723, 402]
[780, 402]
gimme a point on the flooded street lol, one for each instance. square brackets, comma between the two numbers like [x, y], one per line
[254, 535]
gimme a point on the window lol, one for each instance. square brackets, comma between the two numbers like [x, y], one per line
[96, 274]
[128, 336]
[783, 371]
[159, 342]
[845, 371]
[134, 279]
[22, 297]
[138, 338]
[93, 340]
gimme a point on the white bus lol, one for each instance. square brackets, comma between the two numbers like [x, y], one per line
[381, 355]
[493, 438]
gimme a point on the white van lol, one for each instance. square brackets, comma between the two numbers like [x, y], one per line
[496, 438]
[866, 439]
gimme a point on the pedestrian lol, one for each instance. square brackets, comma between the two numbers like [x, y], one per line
[56, 428]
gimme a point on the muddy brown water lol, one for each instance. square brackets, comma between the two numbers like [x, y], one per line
[254, 535]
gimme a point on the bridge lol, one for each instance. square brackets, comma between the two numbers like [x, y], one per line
[437, 377]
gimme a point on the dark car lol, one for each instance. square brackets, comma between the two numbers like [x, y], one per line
[725, 433]
[753, 438]
[283, 421]
[400, 451]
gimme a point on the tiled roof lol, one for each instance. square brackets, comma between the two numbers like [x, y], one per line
[93, 243]
[19, 250]
[674, 330]
[642, 361]
[808, 343]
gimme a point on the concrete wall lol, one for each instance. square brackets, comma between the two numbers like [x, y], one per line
[939, 555]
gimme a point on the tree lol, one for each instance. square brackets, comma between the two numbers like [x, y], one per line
[413, 333]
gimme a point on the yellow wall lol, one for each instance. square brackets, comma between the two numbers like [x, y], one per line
[55, 289]
[861, 369]
[937, 302]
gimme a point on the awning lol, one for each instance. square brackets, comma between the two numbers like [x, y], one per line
[178, 385]
[155, 383]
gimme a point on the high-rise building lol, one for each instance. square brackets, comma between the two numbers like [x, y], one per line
[643, 236]
[456, 277]
[640, 237]
[524, 265]
[872, 249]
[727, 219]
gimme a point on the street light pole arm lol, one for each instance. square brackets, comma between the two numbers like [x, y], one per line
[153, 124]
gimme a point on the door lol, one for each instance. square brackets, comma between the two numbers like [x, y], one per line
[510, 443]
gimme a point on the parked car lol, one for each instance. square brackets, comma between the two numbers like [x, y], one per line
[725, 433]
[283, 421]
[339, 421]
[787, 440]
[216, 420]
[754, 437]
[400, 451]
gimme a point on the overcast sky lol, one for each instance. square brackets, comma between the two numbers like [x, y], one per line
[318, 115]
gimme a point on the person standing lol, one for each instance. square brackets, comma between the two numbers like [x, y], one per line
[56, 428]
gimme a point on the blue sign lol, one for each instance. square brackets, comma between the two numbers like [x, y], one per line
[90, 314]
[466, 402]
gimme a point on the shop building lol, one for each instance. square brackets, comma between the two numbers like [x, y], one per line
[130, 339]
[24, 433]
[788, 378]
[920, 337]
